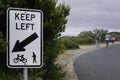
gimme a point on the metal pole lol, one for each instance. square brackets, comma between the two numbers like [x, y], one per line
[25, 74]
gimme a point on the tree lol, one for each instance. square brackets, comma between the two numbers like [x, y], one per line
[54, 23]
[102, 33]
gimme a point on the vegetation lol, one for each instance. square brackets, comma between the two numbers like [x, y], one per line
[102, 33]
[86, 37]
[54, 23]
[69, 42]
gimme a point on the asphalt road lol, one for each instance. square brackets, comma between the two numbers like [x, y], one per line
[99, 64]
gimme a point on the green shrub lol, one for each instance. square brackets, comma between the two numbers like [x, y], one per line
[10, 77]
[86, 41]
[3, 43]
[69, 43]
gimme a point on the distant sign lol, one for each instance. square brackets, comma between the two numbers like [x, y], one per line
[24, 34]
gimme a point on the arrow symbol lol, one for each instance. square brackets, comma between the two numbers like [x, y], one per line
[19, 46]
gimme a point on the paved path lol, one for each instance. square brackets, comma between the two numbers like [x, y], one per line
[99, 64]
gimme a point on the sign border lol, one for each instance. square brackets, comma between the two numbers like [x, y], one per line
[8, 38]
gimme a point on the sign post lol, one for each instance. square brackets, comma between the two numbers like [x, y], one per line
[25, 74]
[25, 38]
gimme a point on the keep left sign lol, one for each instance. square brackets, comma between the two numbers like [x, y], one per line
[25, 38]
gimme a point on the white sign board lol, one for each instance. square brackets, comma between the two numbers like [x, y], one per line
[24, 35]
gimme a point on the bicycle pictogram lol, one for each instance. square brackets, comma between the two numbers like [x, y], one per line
[20, 59]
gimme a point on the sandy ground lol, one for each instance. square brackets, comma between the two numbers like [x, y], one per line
[69, 56]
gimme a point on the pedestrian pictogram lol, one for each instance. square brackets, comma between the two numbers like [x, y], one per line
[25, 38]
[34, 58]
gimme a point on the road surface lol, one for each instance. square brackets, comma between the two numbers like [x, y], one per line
[99, 64]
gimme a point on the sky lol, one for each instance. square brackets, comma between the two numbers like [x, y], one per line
[87, 15]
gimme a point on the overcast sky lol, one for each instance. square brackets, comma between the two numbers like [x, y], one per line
[88, 15]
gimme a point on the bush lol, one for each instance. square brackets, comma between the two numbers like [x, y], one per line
[86, 41]
[70, 43]
[2, 43]
[51, 51]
